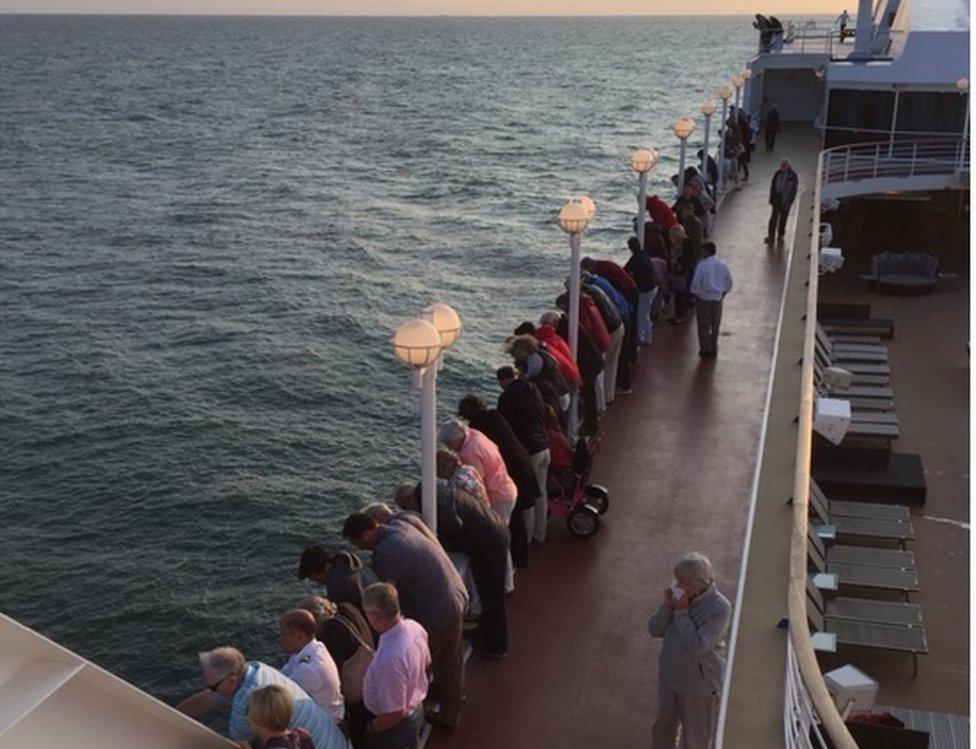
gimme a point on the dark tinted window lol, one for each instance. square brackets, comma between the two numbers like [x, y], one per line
[861, 109]
[931, 112]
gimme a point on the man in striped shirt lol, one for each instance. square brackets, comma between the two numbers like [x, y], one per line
[230, 679]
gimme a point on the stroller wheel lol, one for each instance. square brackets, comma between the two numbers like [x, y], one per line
[583, 522]
[597, 498]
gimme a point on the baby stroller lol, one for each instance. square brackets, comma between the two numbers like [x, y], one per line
[570, 495]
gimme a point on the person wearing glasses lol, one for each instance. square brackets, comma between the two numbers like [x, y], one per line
[230, 679]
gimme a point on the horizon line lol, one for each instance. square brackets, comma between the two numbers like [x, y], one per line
[389, 15]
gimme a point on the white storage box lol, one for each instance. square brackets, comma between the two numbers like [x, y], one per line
[831, 259]
[853, 690]
[832, 418]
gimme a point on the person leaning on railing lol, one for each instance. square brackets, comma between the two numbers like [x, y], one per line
[693, 620]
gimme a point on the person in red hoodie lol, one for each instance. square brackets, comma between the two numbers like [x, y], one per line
[556, 345]
[661, 213]
[592, 322]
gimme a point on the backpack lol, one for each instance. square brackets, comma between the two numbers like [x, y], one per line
[353, 669]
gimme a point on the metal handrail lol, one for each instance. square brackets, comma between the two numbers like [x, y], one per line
[810, 684]
[896, 158]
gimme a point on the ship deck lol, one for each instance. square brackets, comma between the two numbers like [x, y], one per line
[678, 458]
[930, 377]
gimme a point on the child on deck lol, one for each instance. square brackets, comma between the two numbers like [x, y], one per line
[269, 713]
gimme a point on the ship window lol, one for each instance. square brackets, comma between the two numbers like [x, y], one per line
[932, 112]
[862, 110]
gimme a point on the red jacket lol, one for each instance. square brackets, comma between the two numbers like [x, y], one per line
[620, 278]
[661, 213]
[592, 321]
[557, 346]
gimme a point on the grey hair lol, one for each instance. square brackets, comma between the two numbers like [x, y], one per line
[379, 511]
[320, 607]
[550, 318]
[696, 567]
[382, 598]
[453, 433]
[224, 661]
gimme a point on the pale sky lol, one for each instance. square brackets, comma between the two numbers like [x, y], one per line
[434, 7]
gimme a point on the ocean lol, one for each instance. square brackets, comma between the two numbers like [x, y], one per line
[209, 229]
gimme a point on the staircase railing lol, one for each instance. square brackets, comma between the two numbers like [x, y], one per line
[896, 159]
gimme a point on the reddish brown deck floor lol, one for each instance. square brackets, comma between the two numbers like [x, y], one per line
[678, 458]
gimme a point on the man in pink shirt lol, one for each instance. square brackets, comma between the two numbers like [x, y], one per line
[395, 683]
[476, 450]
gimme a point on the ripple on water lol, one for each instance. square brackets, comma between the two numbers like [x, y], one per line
[211, 226]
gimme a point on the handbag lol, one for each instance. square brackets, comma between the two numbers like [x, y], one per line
[353, 669]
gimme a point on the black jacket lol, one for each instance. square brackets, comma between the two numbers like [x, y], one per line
[588, 357]
[495, 427]
[641, 269]
[772, 120]
[521, 404]
[609, 313]
[794, 184]
[346, 580]
[467, 526]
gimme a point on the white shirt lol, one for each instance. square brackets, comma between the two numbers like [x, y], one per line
[313, 669]
[712, 280]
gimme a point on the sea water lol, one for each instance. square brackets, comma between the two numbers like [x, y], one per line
[209, 229]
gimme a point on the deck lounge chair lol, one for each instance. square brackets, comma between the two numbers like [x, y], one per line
[883, 327]
[850, 631]
[856, 367]
[850, 509]
[873, 529]
[862, 567]
[849, 352]
[895, 613]
[844, 342]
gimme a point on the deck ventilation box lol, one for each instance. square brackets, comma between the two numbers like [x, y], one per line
[832, 418]
[853, 690]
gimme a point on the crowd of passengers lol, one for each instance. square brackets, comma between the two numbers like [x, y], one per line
[384, 652]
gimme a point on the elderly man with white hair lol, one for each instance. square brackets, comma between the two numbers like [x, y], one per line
[230, 679]
[693, 620]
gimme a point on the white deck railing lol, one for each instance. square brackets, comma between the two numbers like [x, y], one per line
[816, 39]
[898, 159]
[808, 706]
[801, 725]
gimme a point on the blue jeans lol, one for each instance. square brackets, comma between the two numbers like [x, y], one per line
[402, 736]
[645, 328]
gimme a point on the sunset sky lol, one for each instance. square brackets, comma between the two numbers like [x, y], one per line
[430, 7]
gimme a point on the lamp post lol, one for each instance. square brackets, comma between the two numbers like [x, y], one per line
[737, 81]
[963, 87]
[573, 219]
[707, 110]
[683, 128]
[724, 93]
[420, 344]
[642, 161]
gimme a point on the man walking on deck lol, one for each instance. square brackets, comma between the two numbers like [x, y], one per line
[782, 192]
[711, 282]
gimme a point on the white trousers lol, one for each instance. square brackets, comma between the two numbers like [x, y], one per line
[694, 713]
[537, 518]
[613, 359]
[504, 511]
